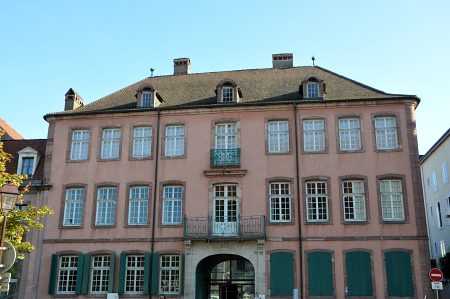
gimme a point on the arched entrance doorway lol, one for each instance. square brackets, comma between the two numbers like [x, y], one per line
[225, 276]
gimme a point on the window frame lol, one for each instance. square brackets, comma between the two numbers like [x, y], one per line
[278, 136]
[227, 92]
[150, 95]
[164, 200]
[316, 90]
[349, 133]
[115, 141]
[82, 142]
[134, 268]
[343, 194]
[71, 269]
[278, 197]
[227, 135]
[102, 270]
[143, 140]
[444, 171]
[170, 269]
[139, 200]
[314, 132]
[95, 223]
[401, 179]
[182, 139]
[397, 132]
[64, 206]
[327, 196]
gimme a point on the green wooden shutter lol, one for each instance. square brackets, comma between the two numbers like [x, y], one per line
[399, 274]
[155, 274]
[86, 274]
[123, 265]
[182, 273]
[53, 274]
[147, 269]
[79, 274]
[320, 274]
[112, 266]
[359, 273]
[281, 273]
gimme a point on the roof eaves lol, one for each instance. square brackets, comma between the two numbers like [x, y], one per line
[435, 146]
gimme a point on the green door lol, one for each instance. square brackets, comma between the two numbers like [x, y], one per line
[359, 273]
[399, 274]
[320, 274]
[281, 273]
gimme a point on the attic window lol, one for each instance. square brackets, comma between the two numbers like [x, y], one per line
[28, 160]
[312, 87]
[312, 90]
[227, 94]
[146, 99]
[147, 96]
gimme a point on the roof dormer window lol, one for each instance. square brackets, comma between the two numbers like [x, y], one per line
[227, 94]
[28, 160]
[228, 91]
[312, 90]
[312, 87]
[146, 99]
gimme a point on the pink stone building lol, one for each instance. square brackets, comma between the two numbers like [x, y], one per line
[236, 184]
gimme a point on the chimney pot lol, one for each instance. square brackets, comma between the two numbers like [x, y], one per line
[72, 100]
[282, 61]
[181, 66]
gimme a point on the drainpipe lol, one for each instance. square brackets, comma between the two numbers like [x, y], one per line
[155, 196]
[297, 168]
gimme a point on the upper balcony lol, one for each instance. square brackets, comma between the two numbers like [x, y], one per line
[225, 157]
[247, 228]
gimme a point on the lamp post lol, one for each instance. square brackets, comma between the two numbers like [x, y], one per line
[8, 196]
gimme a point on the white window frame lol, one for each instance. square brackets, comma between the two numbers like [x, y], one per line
[146, 99]
[444, 172]
[74, 207]
[443, 248]
[312, 90]
[172, 205]
[138, 205]
[142, 142]
[280, 202]
[67, 272]
[99, 273]
[435, 182]
[386, 135]
[313, 200]
[391, 200]
[354, 200]
[170, 274]
[174, 141]
[227, 94]
[349, 134]
[105, 213]
[110, 144]
[226, 136]
[278, 136]
[28, 152]
[79, 145]
[313, 135]
[134, 269]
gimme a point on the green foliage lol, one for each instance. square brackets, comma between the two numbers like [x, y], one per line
[19, 221]
[445, 265]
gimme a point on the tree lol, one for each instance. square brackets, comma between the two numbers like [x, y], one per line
[19, 221]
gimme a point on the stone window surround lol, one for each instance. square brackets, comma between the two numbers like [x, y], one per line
[361, 135]
[127, 203]
[163, 184]
[290, 137]
[100, 144]
[94, 209]
[281, 179]
[402, 178]
[366, 194]
[63, 205]
[302, 138]
[399, 130]
[163, 141]
[327, 180]
[69, 142]
[131, 141]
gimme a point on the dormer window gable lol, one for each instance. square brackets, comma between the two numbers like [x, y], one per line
[228, 92]
[28, 161]
[312, 87]
[148, 97]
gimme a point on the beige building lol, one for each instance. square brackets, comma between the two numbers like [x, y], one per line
[236, 184]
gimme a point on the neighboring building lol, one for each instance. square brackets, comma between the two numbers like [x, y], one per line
[28, 157]
[10, 133]
[436, 189]
[236, 184]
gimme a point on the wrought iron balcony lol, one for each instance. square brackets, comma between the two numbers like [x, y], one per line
[225, 157]
[250, 227]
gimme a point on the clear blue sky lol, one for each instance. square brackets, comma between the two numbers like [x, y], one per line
[98, 47]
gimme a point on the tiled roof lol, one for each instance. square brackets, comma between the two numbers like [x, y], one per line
[265, 85]
[10, 132]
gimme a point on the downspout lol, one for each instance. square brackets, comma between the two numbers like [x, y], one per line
[155, 196]
[297, 168]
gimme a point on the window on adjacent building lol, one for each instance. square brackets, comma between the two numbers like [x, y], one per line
[146, 100]
[278, 136]
[435, 182]
[79, 147]
[73, 207]
[313, 135]
[386, 133]
[444, 172]
[110, 144]
[227, 94]
[170, 274]
[106, 206]
[392, 200]
[138, 205]
[134, 274]
[280, 202]
[439, 215]
[172, 204]
[100, 274]
[349, 134]
[312, 90]
[27, 166]
[316, 201]
[142, 142]
[67, 274]
[354, 200]
[174, 141]
[443, 248]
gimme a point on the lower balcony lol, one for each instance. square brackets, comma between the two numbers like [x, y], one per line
[225, 157]
[249, 227]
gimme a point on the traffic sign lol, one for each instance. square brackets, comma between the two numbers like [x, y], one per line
[436, 274]
[437, 285]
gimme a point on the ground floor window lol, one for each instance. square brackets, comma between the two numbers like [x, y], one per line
[170, 268]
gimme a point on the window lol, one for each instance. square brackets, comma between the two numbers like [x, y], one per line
[312, 90]
[110, 144]
[79, 147]
[174, 141]
[280, 202]
[349, 134]
[138, 205]
[225, 210]
[67, 274]
[73, 207]
[172, 204]
[392, 200]
[170, 274]
[320, 273]
[316, 201]
[439, 215]
[100, 274]
[226, 136]
[146, 100]
[386, 133]
[142, 142]
[313, 135]
[134, 274]
[354, 201]
[443, 248]
[278, 136]
[227, 94]
[444, 172]
[435, 182]
[27, 166]
[106, 206]
[281, 273]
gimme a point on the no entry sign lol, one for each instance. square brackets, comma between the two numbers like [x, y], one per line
[436, 274]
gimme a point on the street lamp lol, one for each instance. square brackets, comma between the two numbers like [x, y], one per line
[8, 197]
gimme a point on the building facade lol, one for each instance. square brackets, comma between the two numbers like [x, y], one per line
[236, 184]
[436, 190]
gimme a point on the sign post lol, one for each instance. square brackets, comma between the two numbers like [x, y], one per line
[436, 277]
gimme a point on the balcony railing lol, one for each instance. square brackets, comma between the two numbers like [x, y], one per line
[226, 157]
[250, 227]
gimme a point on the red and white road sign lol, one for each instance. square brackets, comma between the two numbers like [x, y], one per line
[436, 274]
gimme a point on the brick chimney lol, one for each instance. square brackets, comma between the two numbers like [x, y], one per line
[282, 61]
[181, 66]
[72, 100]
